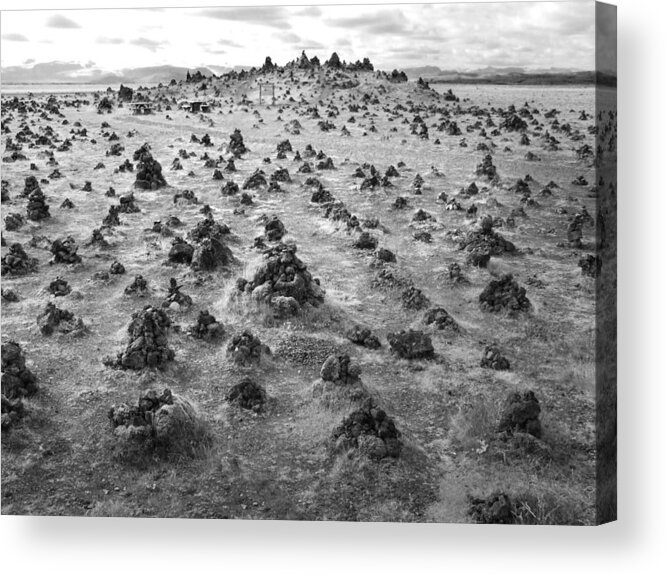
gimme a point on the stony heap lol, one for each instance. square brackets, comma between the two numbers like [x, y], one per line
[283, 274]
[236, 145]
[207, 327]
[176, 299]
[149, 171]
[37, 208]
[486, 168]
[504, 294]
[513, 123]
[54, 319]
[12, 411]
[64, 251]
[483, 243]
[256, 180]
[30, 185]
[139, 286]
[414, 298]
[59, 287]
[16, 262]
[520, 413]
[363, 336]
[575, 231]
[497, 509]
[440, 319]
[13, 222]
[159, 421]
[248, 395]
[493, 358]
[274, 229]
[148, 345]
[181, 252]
[411, 344]
[211, 251]
[590, 265]
[339, 369]
[370, 431]
[17, 380]
[246, 348]
[127, 205]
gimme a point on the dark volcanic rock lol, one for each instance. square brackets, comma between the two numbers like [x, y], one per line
[590, 265]
[411, 345]
[496, 509]
[493, 359]
[521, 414]
[207, 327]
[440, 318]
[248, 395]
[504, 294]
[246, 348]
[370, 431]
[148, 345]
[181, 252]
[17, 262]
[17, 379]
[414, 298]
[149, 173]
[64, 251]
[363, 336]
[54, 319]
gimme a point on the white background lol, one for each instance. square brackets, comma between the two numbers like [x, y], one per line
[633, 544]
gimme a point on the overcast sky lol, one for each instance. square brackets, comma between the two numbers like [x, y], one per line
[451, 36]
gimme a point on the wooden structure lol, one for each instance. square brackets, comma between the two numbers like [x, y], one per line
[140, 108]
[265, 87]
[194, 106]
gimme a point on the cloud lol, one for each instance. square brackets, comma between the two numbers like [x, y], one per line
[151, 45]
[273, 16]
[107, 40]
[14, 37]
[311, 45]
[388, 22]
[290, 37]
[310, 11]
[29, 61]
[229, 43]
[60, 21]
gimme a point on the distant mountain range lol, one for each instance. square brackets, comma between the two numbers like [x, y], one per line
[76, 73]
[70, 72]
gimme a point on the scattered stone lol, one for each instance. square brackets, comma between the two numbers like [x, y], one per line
[175, 298]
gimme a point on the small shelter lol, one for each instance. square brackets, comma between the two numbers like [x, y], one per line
[139, 108]
[194, 106]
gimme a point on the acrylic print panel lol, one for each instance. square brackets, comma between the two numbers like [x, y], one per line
[351, 263]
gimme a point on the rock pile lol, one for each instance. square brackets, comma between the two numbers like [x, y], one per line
[127, 205]
[17, 379]
[30, 185]
[13, 222]
[339, 369]
[370, 431]
[485, 242]
[493, 359]
[440, 319]
[274, 229]
[486, 168]
[59, 287]
[504, 294]
[256, 180]
[148, 345]
[283, 274]
[236, 145]
[64, 251]
[139, 286]
[37, 208]
[181, 252]
[54, 319]
[246, 348]
[414, 298]
[12, 412]
[207, 327]
[149, 171]
[175, 298]
[363, 336]
[16, 262]
[248, 395]
[158, 420]
[496, 509]
[590, 265]
[366, 241]
[411, 344]
[521, 414]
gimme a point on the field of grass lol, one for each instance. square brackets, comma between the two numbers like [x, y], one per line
[63, 459]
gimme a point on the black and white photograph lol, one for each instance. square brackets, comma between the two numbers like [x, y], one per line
[327, 263]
